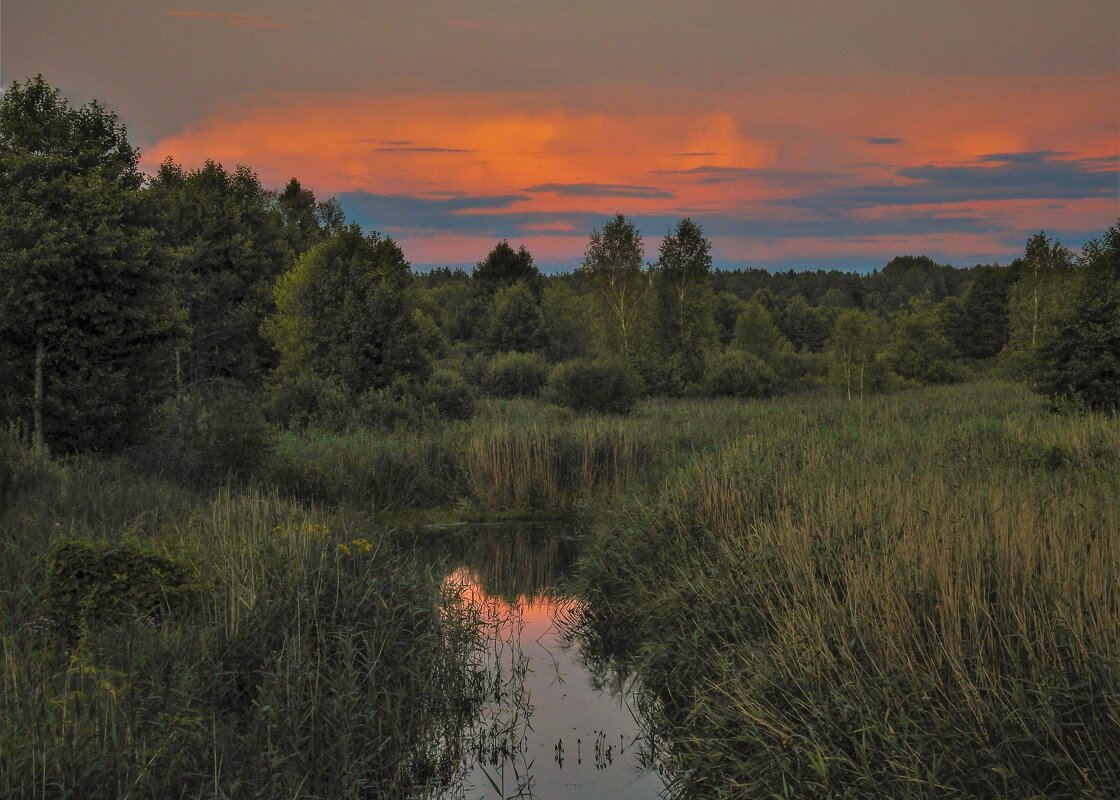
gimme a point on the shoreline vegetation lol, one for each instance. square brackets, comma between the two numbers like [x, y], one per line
[896, 598]
[857, 534]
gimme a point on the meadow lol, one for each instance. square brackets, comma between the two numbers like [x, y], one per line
[912, 595]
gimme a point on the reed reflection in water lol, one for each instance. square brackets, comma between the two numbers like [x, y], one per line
[551, 726]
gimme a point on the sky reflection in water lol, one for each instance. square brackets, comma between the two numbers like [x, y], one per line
[554, 728]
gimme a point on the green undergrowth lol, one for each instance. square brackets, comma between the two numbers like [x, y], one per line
[158, 642]
[916, 596]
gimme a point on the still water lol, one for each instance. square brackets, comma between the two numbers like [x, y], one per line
[559, 720]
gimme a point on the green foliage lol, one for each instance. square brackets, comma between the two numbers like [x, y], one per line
[805, 326]
[1079, 353]
[599, 386]
[1039, 293]
[503, 268]
[737, 373]
[516, 375]
[78, 282]
[450, 394]
[983, 328]
[567, 323]
[852, 349]
[517, 323]
[91, 582]
[301, 399]
[919, 351]
[613, 266]
[344, 311]
[682, 332]
[224, 241]
[210, 437]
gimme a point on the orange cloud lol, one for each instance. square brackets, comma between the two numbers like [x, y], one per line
[753, 149]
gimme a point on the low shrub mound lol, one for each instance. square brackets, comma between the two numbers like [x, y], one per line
[599, 387]
[516, 375]
[98, 582]
[737, 373]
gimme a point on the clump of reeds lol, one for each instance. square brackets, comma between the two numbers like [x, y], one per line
[919, 598]
[317, 660]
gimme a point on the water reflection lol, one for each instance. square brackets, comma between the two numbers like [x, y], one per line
[556, 722]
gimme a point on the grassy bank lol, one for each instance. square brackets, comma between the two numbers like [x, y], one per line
[157, 642]
[912, 597]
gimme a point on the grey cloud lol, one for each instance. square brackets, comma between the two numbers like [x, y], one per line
[883, 140]
[1002, 176]
[601, 190]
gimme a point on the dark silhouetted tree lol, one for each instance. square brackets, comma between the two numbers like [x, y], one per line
[86, 318]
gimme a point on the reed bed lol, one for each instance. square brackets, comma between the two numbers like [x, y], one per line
[913, 597]
[315, 660]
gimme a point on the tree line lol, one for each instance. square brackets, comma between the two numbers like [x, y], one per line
[123, 295]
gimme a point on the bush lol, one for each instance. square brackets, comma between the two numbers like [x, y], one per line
[91, 582]
[600, 386]
[212, 437]
[299, 400]
[450, 395]
[516, 375]
[740, 374]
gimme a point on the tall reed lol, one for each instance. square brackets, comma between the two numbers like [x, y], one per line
[915, 597]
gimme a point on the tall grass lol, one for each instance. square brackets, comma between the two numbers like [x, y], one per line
[320, 662]
[913, 597]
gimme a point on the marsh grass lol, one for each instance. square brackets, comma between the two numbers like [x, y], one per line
[318, 662]
[912, 597]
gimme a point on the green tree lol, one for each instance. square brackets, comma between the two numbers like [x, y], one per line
[1079, 354]
[805, 326]
[918, 350]
[225, 245]
[683, 326]
[1043, 275]
[517, 323]
[567, 323]
[852, 347]
[756, 333]
[345, 312]
[982, 330]
[503, 267]
[86, 318]
[613, 265]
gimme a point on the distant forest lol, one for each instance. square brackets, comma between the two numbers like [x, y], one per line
[130, 303]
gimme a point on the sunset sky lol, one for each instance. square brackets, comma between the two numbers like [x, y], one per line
[799, 133]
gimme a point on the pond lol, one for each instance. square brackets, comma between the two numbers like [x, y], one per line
[560, 719]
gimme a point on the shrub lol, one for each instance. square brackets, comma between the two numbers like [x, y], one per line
[516, 375]
[212, 437]
[302, 400]
[450, 395]
[91, 582]
[600, 386]
[740, 374]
